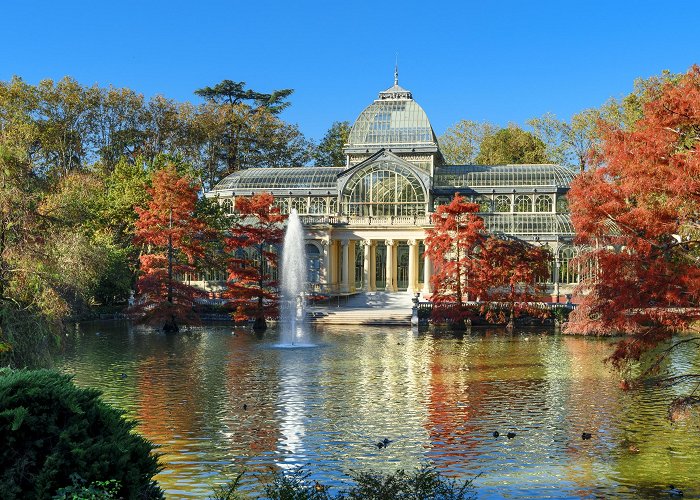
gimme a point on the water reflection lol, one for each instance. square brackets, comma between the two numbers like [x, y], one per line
[218, 401]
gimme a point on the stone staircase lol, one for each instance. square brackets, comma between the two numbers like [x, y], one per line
[373, 308]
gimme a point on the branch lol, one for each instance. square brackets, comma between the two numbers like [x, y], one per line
[664, 354]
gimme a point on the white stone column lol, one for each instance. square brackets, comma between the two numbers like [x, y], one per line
[345, 267]
[427, 274]
[390, 266]
[367, 285]
[412, 265]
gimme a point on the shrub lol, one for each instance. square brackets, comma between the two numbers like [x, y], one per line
[50, 429]
[424, 482]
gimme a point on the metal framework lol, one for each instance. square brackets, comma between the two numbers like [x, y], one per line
[382, 189]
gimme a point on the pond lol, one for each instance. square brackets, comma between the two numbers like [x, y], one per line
[220, 400]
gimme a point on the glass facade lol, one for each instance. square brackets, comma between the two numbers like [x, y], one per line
[394, 178]
[384, 189]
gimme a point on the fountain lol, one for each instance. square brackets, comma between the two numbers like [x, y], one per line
[292, 324]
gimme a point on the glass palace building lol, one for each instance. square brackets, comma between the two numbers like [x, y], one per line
[365, 222]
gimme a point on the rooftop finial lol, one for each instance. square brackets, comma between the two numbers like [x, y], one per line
[396, 71]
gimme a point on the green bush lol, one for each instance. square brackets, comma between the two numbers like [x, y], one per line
[50, 430]
[423, 483]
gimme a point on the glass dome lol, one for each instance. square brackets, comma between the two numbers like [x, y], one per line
[394, 119]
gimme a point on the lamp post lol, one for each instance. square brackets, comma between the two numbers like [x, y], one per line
[414, 314]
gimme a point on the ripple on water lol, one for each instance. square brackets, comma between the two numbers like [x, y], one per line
[218, 403]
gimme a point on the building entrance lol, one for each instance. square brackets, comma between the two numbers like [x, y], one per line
[402, 266]
[380, 267]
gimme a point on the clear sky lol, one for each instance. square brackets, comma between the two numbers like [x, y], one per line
[502, 61]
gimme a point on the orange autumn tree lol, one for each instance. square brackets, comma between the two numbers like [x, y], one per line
[639, 213]
[252, 244]
[174, 239]
[453, 245]
[517, 273]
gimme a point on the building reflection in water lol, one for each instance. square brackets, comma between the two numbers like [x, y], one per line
[218, 403]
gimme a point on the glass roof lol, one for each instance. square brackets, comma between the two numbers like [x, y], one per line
[524, 224]
[282, 178]
[394, 119]
[450, 176]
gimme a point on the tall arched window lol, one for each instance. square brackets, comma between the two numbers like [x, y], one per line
[384, 189]
[502, 203]
[227, 206]
[313, 263]
[568, 270]
[281, 203]
[299, 204]
[483, 202]
[333, 206]
[317, 206]
[543, 203]
[523, 203]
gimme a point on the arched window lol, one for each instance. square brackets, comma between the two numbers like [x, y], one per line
[313, 263]
[227, 206]
[299, 204]
[562, 204]
[523, 203]
[483, 202]
[317, 206]
[333, 206]
[543, 203]
[384, 189]
[502, 203]
[281, 203]
[568, 270]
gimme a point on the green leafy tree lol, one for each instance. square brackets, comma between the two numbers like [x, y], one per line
[329, 152]
[460, 143]
[236, 113]
[569, 143]
[511, 145]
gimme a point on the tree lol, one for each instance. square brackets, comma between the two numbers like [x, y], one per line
[517, 273]
[569, 143]
[239, 107]
[460, 143]
[253, 235]
[638, 212]
[511, 145]
[174, 238]
[329, 152]
[453, 244]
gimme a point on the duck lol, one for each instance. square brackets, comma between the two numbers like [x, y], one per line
[586, 435]
[380, 445]
[511, 435]
[674, 492]
[123, 375]
[245, 406]
[386, 442]
[496, 434]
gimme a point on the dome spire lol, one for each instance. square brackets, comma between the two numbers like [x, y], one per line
[396, 71]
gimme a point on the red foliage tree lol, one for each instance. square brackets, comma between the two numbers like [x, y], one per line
[517, 273]
[639, 213]
[253, 235]
[174, 239]
[453, 244]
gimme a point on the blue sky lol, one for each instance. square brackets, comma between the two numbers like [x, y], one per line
[495, 61]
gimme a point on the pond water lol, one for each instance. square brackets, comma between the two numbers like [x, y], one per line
[437, 396]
